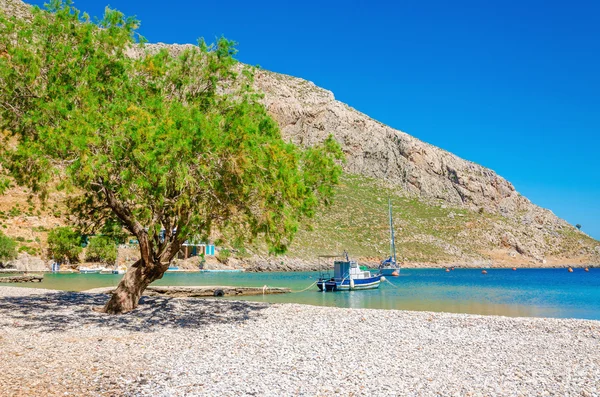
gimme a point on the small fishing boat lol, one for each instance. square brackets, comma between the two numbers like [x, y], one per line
[119, 270]
[89, 270]
[347, 276]
[390, 267]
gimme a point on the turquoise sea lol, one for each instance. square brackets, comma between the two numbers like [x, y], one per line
[524, 292]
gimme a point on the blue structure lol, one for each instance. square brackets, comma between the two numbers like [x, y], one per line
[210, 250]
[195, 249]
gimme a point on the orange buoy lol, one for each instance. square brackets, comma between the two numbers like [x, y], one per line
[484, 272]
[570, 269]
[587, 269]
[447, 269]
[514, 268]
[395, 273]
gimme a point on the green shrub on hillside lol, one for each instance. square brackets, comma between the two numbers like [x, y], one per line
[64, 244]
[223, 255]
[30, 250]
[101, 249]
[7, 248]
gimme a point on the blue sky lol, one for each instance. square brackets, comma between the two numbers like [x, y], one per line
[511, 85]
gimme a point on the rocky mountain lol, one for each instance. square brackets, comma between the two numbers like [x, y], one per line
[450, 210]
[307, 114]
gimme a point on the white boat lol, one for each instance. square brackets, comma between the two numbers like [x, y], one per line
[389, 266]
[89, 270]
[222, 270]
[174, 269]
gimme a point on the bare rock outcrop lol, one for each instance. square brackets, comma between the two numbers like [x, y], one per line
[307, 114]
[28, 263]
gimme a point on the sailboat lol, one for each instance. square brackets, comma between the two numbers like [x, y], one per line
[389, 266]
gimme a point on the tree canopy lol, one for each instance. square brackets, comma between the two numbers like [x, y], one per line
[179, 144]
[64, 244]
[8, 247]
[101, 249]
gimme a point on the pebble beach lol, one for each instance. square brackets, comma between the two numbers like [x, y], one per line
[52, 343]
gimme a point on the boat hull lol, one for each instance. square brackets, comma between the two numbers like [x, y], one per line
[389, 271]
[345, 285]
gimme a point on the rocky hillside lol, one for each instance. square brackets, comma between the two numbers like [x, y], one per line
[449, 210]
[510, 229]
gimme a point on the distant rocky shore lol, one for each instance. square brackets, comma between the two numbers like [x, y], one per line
[27, 263]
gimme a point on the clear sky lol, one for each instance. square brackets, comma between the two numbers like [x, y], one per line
[513, 85]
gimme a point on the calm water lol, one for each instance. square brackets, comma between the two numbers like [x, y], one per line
[525, 292]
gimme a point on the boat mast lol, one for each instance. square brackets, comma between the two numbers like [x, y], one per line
[392, 243]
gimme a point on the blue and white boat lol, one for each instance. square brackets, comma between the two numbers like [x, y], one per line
[348, 276]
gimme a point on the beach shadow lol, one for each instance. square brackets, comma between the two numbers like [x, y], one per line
[65, 310]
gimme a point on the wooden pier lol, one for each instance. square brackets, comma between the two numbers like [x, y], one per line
[201, 291]
[26, 278]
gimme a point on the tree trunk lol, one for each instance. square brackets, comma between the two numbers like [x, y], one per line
[127, 295]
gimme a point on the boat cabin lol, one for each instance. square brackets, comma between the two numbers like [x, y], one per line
[349, 269]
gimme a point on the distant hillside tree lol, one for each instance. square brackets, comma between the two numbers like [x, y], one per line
[64, 245]
[114, 230]
[180, 144]
[101, 249]
[578, 226]
[8, 248]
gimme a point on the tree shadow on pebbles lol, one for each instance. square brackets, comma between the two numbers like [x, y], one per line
[65, 310]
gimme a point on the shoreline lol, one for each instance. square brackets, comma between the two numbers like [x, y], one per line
[312, 269]
[54, 344]
[309, 267]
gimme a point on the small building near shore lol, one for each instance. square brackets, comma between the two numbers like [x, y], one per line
[196, 249]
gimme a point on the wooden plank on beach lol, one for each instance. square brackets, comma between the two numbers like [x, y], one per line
[28, 278]
[201, 291]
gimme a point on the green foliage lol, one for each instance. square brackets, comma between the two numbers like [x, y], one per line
[223, 255]
[30, 250]
[7, 248]
[14, 211]
[578, 226]
[113, 229]
[101, 249]
[64, 244]
[159, 142]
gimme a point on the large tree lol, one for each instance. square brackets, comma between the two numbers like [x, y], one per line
[171, 147]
